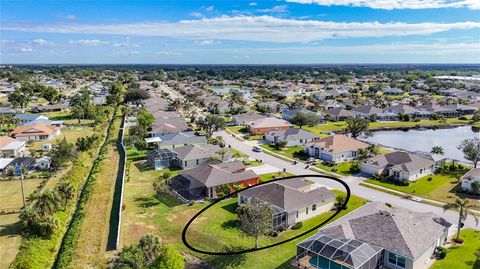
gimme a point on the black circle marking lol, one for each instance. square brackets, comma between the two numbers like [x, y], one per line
[339, 209]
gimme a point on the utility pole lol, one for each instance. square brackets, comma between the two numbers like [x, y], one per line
[19, 169]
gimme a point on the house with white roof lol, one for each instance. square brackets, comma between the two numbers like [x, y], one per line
[471, 180]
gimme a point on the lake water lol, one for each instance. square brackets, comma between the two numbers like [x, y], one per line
[424, 140]
[225, 90]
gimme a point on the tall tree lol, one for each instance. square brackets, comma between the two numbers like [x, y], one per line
[211, 123]
[66, 191]
[356, 126]
[81, 105]
[145, 119]
[50, 94]
[62, 153]
[255, 218]
[19, 98]
[136, 95]
[464, 209]
[151, 247]
[471, 150]
[302, 118]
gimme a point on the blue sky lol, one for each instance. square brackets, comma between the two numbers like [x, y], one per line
[240, 32]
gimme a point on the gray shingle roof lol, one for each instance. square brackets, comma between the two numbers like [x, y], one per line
[288, 198]
[219, 173]
[182, 138]
[193, 152]
[400, 160]
[404, 232]
[293, 134]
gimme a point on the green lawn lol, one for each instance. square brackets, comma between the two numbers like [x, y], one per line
[238, 129]
[462, 256]
[441, 187]
[288, 152]
[269, 176]
[343, 168]
[215, 230]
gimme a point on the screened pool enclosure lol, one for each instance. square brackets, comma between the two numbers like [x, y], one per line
[322, 251]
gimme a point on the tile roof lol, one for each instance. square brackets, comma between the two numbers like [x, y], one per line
[37, 129]
[400, 160]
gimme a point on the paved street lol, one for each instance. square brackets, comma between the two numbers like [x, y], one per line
[367, 193]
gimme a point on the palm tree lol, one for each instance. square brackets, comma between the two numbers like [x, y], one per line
[131, 256]
[66, 190]
[464, 209]
[437, 150]
[46, 202]
[151, 247]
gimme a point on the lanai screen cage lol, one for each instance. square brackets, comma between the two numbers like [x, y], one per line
[279, 218]
[322, 251]
[160, 158]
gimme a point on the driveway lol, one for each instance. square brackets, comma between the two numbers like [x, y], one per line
[264, 169]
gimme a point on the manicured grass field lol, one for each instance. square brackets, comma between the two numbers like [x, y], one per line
[237, 129]
[441, 187]
[343, 168]
[216, 230]
[462, 256]
[10, 238]
[289, 152]
[269, 176]
[71, 134]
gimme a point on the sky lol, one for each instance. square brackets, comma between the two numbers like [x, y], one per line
[239, 32]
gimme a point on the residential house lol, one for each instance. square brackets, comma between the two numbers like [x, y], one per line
[192, 156]
[272, 106]
[292, 201]
[393, 91]
[50, 108]
[335, 148]
[293, 136]
[4, 162]
[331, 104]
[245, 118]
[34, 132]
[264, 125]
[26, 118]
[338, 114]
[371, 112]
[399, 165]
[44, 162]
[204, 180]
[375, 236]
[173, 140]
[402, 109]
[290, 113]
[470, 179]
[10, 147]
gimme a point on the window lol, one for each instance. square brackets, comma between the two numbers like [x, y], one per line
[396, 260]
[307, 210]
[185, 163]
[197, 161]
[314, 207]
[297, 213]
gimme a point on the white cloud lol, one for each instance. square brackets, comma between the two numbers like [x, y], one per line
[252, 4]
[196, 14]
[250, 28]
[88, 42]
[169, 53]
[210, 8]
[275, 9]
[207, 42]
[395, 4]
[42, 42]
[26, 49]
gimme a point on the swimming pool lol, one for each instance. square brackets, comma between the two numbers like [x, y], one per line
[324, 263]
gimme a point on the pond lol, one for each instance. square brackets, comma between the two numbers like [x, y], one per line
[425, 139]
[225, 90]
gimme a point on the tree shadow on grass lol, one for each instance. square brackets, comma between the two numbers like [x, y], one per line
[231, 224]
[232, 208]
[142, 166]
[168, 199]
[146, 201]
[228, 261]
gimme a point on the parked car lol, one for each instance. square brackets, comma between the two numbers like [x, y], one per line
[256, 149]
[311, 161]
